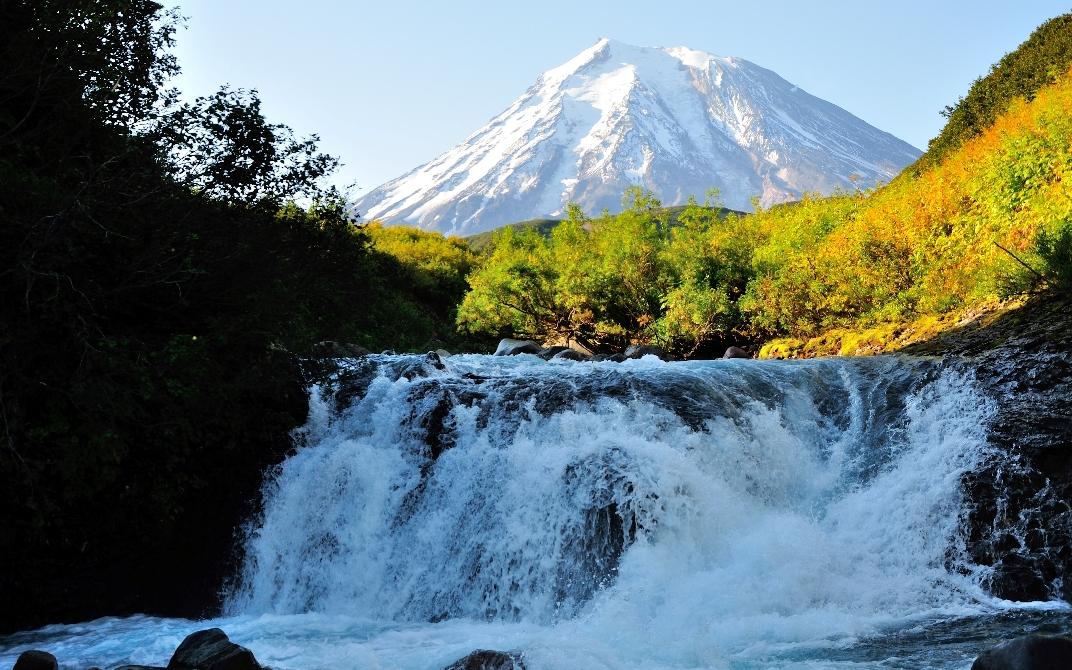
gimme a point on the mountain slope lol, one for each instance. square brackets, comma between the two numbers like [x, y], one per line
[674, 120]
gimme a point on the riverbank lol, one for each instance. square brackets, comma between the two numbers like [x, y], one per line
[959, 332]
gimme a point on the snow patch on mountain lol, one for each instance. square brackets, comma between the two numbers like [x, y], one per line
[674, 120]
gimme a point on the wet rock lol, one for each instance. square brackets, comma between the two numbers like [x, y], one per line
[435, 360]
[735, 352]
[641, 350]
[550, 352]
[1019, 577]
[1031, 652]
[211, 650]
[35, 659]
[434, 421]
[1019, 520]
[353, 382]
[443, 353]
[570, 355]
[486, 659]
[508, 347]
[332, 349]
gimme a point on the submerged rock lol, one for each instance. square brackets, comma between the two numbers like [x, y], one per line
[570, 355]
[211, 650]
[486, 659]
[642, 350]
[1031, 652]
[509, 347]
[550, 352]
[35, 659]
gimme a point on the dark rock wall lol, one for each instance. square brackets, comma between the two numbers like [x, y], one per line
[1019, 521]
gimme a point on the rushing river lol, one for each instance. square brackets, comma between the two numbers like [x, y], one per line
[714, 514]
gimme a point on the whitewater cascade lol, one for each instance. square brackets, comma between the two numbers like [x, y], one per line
[678, 513]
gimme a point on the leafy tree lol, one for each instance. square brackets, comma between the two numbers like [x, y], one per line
[711, 258]
[83, 58]
[615, 279]
[223, 146]
[1039, 61]
[1055, 249]
[513, 292]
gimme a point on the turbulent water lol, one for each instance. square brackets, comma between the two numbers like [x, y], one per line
[718, 514]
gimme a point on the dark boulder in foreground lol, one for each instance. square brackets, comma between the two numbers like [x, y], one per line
[486, 659]
[211, 650]
[1031, 652]
[36, 659]
[735, 352]
[509, 347]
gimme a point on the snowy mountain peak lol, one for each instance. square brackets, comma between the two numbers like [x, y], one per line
[675, 120]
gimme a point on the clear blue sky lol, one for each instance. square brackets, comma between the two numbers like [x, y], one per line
[389, 85]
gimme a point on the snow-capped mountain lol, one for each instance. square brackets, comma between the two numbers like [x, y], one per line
[674, 120]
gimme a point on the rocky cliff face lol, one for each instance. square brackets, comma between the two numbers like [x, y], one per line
[1020, 520]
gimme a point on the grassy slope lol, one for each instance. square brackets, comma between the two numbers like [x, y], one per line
[999, 188]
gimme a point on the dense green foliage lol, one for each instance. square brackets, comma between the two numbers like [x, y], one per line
[482, 242]
[154, 273]
[1054, 248]
[614, 279]
[431, 269]
[987, 222]
[1044, 56]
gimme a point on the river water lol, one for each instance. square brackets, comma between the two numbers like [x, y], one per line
[709, 514]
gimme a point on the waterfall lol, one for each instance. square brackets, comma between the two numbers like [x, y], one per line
[806, 496]
[636, 516]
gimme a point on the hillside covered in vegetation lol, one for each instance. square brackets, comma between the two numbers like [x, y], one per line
[987, 217]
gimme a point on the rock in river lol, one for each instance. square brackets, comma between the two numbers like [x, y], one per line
[508, 347]
[36, 659]
[211, 650]
[486, 659]
[1030, 652]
